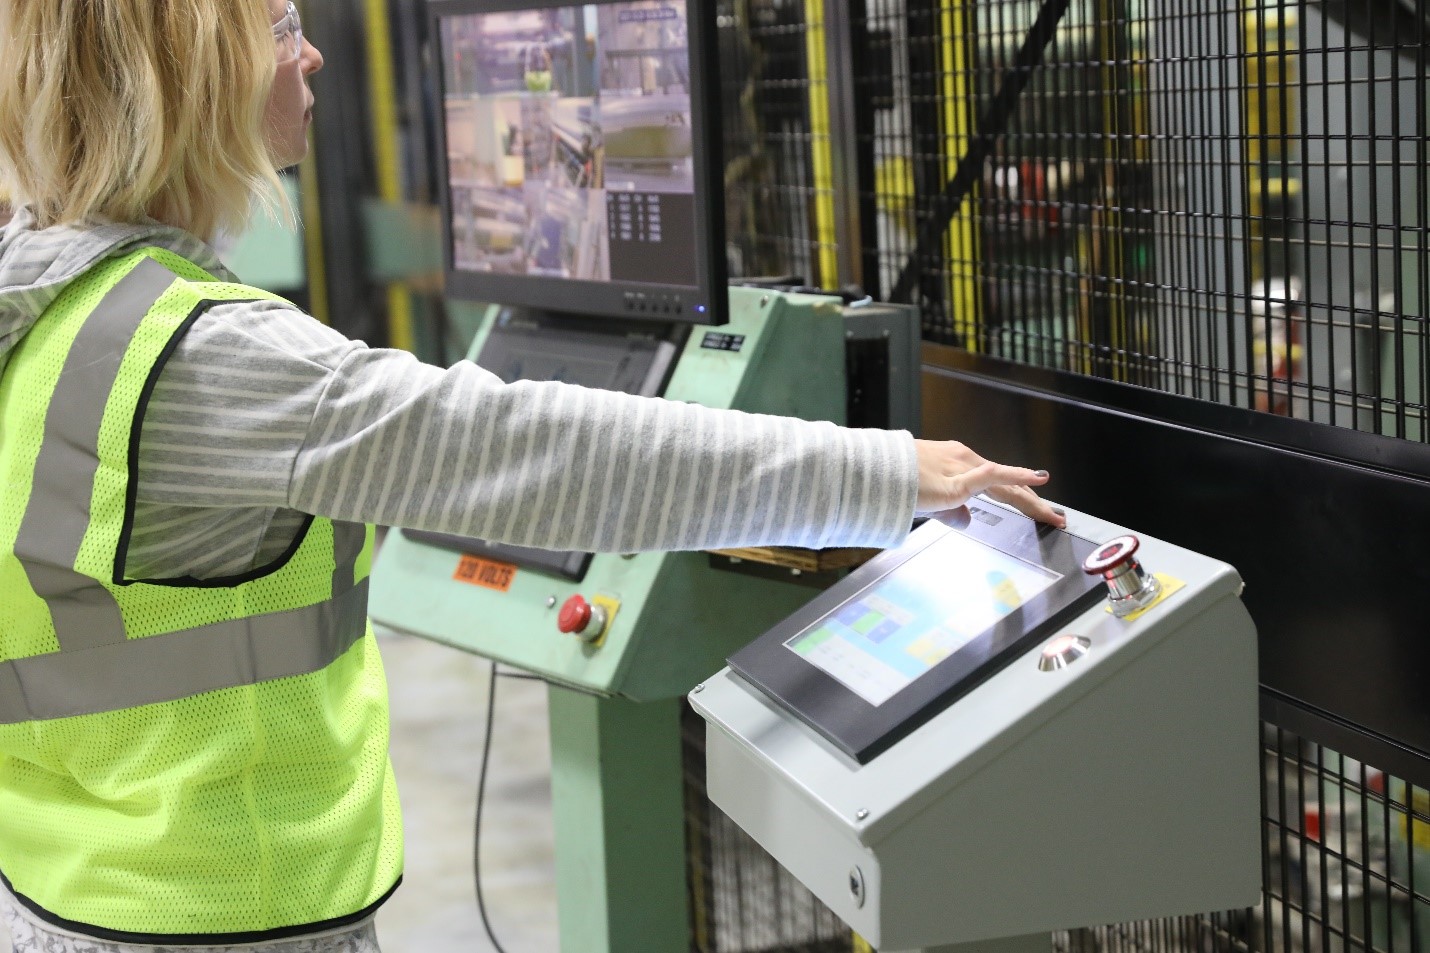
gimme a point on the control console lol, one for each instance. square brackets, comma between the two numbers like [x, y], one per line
[1000, 729]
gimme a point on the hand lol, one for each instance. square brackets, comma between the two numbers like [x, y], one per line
[950, 474]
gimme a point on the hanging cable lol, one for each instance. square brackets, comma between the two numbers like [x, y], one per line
[481, 797]
[482, 785]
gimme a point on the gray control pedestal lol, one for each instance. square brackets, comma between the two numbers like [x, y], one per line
[1120, 783]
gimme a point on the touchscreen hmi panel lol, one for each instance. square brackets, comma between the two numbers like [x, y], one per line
[900, 629]
[917, 627]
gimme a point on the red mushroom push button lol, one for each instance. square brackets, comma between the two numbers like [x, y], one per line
[1129, 586]
[581, 619]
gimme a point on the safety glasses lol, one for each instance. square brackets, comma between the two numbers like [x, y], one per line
[288, 34]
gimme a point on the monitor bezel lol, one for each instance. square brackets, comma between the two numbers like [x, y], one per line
[862, 730]
[707, 302]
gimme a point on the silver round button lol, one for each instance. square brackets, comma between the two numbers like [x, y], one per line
[1062, 652]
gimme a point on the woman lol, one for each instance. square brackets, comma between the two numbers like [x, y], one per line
[193, 721]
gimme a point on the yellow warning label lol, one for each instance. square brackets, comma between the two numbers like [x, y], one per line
[612, 606]
[1169, 586]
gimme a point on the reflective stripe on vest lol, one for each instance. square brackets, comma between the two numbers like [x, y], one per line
[165, 667]
[98, 668]
[57, 517]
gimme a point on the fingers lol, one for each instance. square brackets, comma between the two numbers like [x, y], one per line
[1030, 504]
[996, 474]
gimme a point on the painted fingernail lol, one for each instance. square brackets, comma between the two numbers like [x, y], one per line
[1040, 473]
[1060, 511]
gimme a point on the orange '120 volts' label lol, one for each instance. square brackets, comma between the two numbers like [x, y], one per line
[485, 572]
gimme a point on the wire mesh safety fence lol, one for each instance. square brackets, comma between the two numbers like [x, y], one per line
[1227, 201]
[1210, 933]
[769, 143]
[1346, 853]
[1345, 869]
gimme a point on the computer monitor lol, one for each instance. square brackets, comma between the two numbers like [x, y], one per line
[580, 150]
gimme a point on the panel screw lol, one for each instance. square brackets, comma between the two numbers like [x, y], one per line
[861, 814]
[856, 886]
[698, 689]
[764, 300]
[551, 602]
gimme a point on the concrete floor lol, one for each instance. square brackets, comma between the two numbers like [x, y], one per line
[439, 703]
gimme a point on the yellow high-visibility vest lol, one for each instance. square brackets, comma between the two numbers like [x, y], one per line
[180, 760]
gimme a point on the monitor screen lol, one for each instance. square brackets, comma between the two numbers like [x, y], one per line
[918, 615]
[579, 167]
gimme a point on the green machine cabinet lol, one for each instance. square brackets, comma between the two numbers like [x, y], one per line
[672, 619]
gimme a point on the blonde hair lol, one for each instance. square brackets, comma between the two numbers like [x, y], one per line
[124, 109]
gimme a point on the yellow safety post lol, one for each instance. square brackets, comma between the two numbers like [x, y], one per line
[312, 212]
[961, 245]
[825, 237]
[1110, 46]
[1270, 71]
[382, 91]
[1270, 74]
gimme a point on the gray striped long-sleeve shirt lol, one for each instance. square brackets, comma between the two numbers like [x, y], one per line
[263, 415]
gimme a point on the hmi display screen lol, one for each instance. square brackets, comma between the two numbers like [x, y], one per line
[918, 615]
[918, 627]
[575, 174]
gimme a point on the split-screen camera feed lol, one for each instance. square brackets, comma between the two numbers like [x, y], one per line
[569, 142]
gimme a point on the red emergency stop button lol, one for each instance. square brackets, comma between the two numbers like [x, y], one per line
[581, 619]
[1129, 586]
[1111, 555]
[575, 615]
